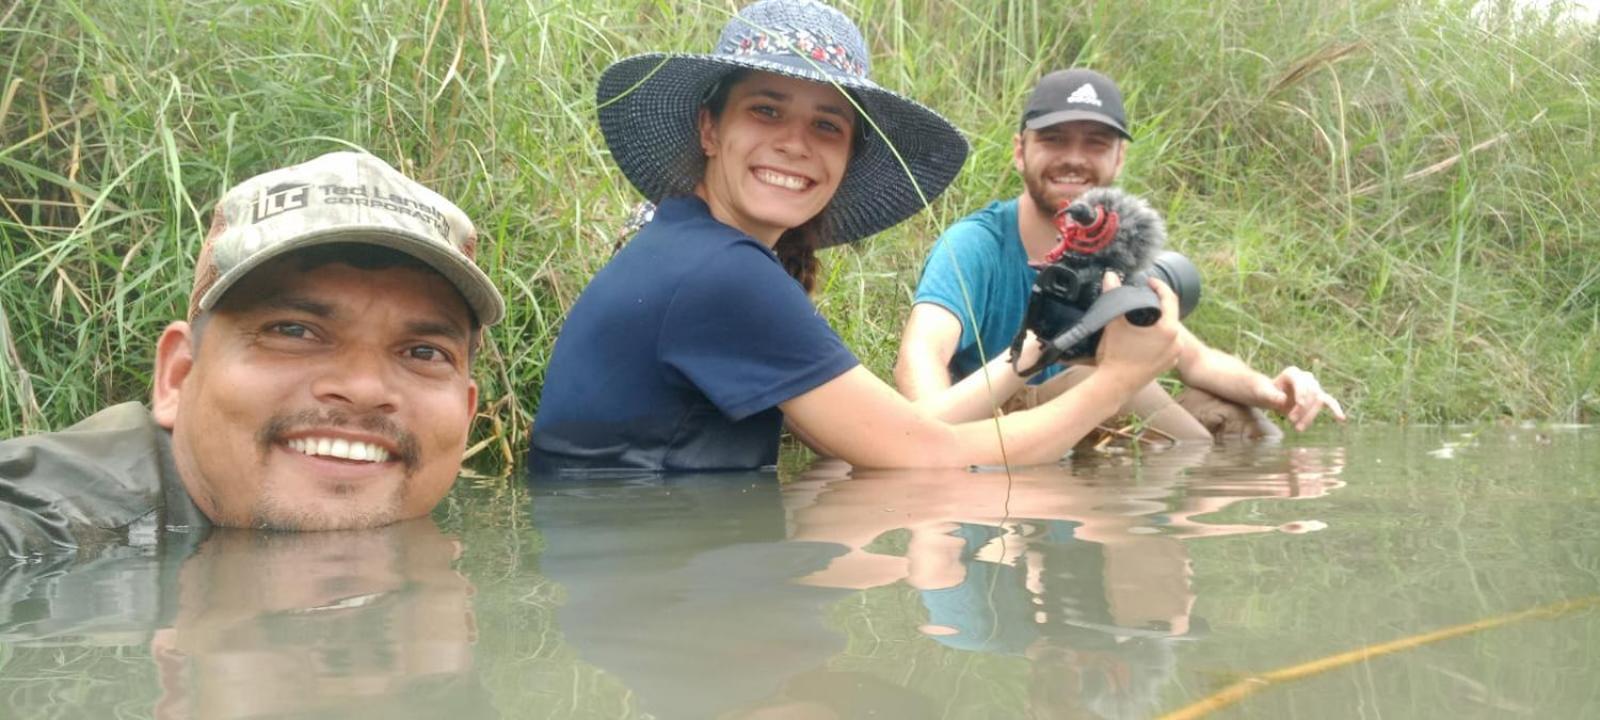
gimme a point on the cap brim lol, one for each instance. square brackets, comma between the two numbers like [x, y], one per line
[470, 280]
[1056, 118]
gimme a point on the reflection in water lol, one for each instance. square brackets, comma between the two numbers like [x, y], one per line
[1088, 580]
[681, 588]
[708, 596]
[373, 623]
[1115, 587]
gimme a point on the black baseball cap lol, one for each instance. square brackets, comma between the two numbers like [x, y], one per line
[1076, 94]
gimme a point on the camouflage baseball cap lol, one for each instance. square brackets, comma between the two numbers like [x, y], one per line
[341, 197]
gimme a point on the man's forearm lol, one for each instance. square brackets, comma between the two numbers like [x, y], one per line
[919, 375]
[1221, 374]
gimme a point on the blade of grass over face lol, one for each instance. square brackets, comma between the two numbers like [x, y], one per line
[1401, 196]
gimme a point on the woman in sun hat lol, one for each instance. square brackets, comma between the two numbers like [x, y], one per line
[697, 343]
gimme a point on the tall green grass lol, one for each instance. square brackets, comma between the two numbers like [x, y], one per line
[1400, 195]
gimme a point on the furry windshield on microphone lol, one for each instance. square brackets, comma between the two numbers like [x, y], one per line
[1141, 233]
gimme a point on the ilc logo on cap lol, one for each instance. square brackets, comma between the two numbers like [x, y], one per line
[280, 199]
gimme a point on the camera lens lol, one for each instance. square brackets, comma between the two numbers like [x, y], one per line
[1182, 276]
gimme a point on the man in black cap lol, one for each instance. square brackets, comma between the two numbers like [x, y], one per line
[1073, 137]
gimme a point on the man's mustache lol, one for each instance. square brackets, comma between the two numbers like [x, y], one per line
[408, 450]
[1072, 167]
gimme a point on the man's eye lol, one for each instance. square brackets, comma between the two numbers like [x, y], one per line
[830, 127]
[289, 329]
[764, 110]
[428, 353]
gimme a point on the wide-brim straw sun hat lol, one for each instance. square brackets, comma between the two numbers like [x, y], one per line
[649, 112]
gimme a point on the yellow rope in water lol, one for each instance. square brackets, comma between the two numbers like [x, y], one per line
[1242, 689]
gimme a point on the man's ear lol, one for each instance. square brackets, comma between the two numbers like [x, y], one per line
[708, 133]
[174, 361]
[1016, 151]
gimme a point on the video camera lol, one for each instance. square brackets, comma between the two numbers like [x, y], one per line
[1106, 229]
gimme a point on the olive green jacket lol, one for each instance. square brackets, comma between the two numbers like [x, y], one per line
[107, 479]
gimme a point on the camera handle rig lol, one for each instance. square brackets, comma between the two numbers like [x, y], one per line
[1139, 303]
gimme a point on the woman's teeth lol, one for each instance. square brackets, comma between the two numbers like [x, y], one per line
[789, 182]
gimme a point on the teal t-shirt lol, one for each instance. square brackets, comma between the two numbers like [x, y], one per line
[984, 249]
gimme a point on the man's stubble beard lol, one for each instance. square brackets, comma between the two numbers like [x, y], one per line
[270, 513]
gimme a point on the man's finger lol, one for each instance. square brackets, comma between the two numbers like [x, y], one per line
[1110, 281]
[1334, 407]
[1169, 299]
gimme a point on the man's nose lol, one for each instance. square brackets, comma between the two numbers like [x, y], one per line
[1073, 154]
[358, 379]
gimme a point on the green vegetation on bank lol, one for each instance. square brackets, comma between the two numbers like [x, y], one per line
[1401, 195]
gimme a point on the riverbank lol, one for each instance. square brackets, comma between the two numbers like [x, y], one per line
[1402, 198]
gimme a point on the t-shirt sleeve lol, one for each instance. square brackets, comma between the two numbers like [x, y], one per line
[964, 253]
[745, 334]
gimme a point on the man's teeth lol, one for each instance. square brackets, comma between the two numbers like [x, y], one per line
[792, 182]
[339, 448]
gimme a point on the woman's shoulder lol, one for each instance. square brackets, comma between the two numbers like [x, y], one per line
[690, 214]
[684, 229]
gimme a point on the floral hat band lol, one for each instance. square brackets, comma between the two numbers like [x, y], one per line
[741, 40]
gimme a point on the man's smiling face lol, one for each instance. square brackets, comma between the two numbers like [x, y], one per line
[321, 395]
[1062, 161]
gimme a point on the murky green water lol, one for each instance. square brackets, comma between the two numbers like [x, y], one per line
[1112, 587]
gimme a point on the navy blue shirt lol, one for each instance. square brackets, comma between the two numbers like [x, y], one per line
[676, 355]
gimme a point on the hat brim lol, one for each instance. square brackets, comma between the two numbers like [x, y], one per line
[1056, 118]
[649, 109]
[473, 284]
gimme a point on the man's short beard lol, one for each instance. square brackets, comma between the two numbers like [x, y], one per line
[1036, 185]
[1040, 200]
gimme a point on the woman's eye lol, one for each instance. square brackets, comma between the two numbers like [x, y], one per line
[764, 110]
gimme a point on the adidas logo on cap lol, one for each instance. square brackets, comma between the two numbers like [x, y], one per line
[1086, 95]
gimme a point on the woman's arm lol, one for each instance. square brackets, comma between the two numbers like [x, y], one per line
[861, 420]
[979, 394]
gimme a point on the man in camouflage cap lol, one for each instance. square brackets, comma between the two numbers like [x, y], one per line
[322, 379]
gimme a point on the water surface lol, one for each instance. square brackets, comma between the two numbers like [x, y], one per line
[1114, 586]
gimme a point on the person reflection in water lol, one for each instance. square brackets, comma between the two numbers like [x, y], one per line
[340, 624]
[1089, 581]
[347, 624]
[680, 586]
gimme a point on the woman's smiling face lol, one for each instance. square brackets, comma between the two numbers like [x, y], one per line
[775, 154]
